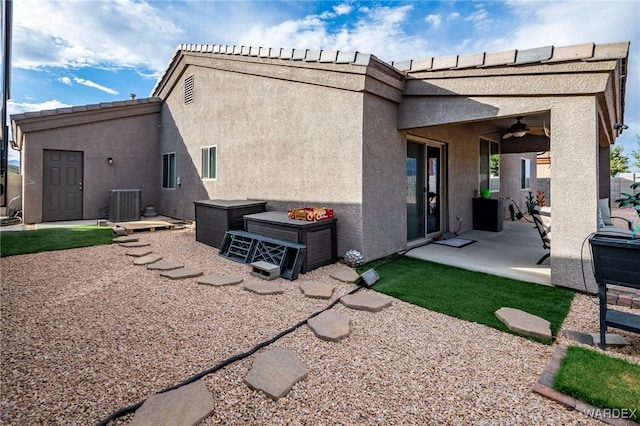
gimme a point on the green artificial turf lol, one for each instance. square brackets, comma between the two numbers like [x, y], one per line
[24, 242]
[468, 295]
[600, 380]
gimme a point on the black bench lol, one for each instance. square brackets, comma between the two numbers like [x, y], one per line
[616, 261]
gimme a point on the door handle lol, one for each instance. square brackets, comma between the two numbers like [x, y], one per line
[80, 186]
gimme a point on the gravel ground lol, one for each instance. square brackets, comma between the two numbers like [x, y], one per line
[85, 333]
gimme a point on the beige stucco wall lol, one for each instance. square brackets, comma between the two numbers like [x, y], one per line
[130, 141]
[384, 203]
[288, 143]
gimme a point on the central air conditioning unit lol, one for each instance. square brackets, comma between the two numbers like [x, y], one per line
[124, 205]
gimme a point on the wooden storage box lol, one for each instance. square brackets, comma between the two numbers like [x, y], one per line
[318, 236]
[215, 217]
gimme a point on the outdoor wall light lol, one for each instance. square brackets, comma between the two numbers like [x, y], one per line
[618, 126]
[110, 160]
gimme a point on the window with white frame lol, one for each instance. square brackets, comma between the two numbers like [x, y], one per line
[169, 170]
[209, 166]
[525, 173]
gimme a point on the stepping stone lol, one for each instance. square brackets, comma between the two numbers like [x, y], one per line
[525, 323]
[584, 338]
[186, 406]
[275, 372]
[365, 302]
[264, 288]
[139, 252]
[135, 244]
[612, 340]
[316, 290]
[119, 230]
[177, 274]
[165, 265]
[330, 326]
[145, 260]
[219, 280]
[345, 274]
[125, 239]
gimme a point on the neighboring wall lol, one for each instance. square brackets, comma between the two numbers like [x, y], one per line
[130, 141]
[622, 183]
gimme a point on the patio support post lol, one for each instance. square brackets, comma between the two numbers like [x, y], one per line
[574, 189]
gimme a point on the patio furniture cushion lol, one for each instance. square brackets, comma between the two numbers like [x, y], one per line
[603, 206]
[611, 228]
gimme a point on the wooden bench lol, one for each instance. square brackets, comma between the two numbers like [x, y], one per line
[616, 261]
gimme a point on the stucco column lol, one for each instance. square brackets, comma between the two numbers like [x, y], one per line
[574, 189]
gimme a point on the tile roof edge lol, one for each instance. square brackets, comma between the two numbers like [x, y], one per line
[85, 108]
[587, 52]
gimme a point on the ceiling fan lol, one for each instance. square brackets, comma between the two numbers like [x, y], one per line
[519, 129]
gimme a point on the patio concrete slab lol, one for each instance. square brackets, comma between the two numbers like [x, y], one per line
[330, 326]
[185, 406]
[524, 323]
[220, 280]
[139, 252]
[316, 290]
[611, 340]
[265, 288]
[125, 239]
[512, 253]
[178, 274]
[365, 302]
[135, 244]
[345, 274]
[165, 265]
[275, 372]
[148, 259]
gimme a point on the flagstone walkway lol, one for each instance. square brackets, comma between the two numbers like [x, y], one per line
[275, 371]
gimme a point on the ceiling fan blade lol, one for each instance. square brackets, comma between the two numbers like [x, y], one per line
[507, 135]
[538, 131]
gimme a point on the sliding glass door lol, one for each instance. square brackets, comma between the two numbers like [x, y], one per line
[425, 190]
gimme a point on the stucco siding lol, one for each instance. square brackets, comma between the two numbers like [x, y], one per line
[289, 143]
[132, 144]
[384, 180]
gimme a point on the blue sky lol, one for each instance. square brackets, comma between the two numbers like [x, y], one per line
[82, 52]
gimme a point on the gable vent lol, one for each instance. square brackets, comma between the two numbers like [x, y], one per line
[188, 90]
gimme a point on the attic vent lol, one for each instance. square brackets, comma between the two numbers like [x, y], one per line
[188, 90]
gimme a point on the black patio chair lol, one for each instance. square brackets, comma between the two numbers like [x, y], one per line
[542, 220]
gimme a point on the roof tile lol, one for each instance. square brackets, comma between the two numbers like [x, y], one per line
[445, 62]
[538, 54]
[506, 57]
[474, 60]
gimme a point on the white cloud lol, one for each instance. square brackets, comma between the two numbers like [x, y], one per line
[65, 80]
[14, 107]
[343, 9]
[94, 85]
[72, 33]
[434, 20]
[453, 15]
[377, 30]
